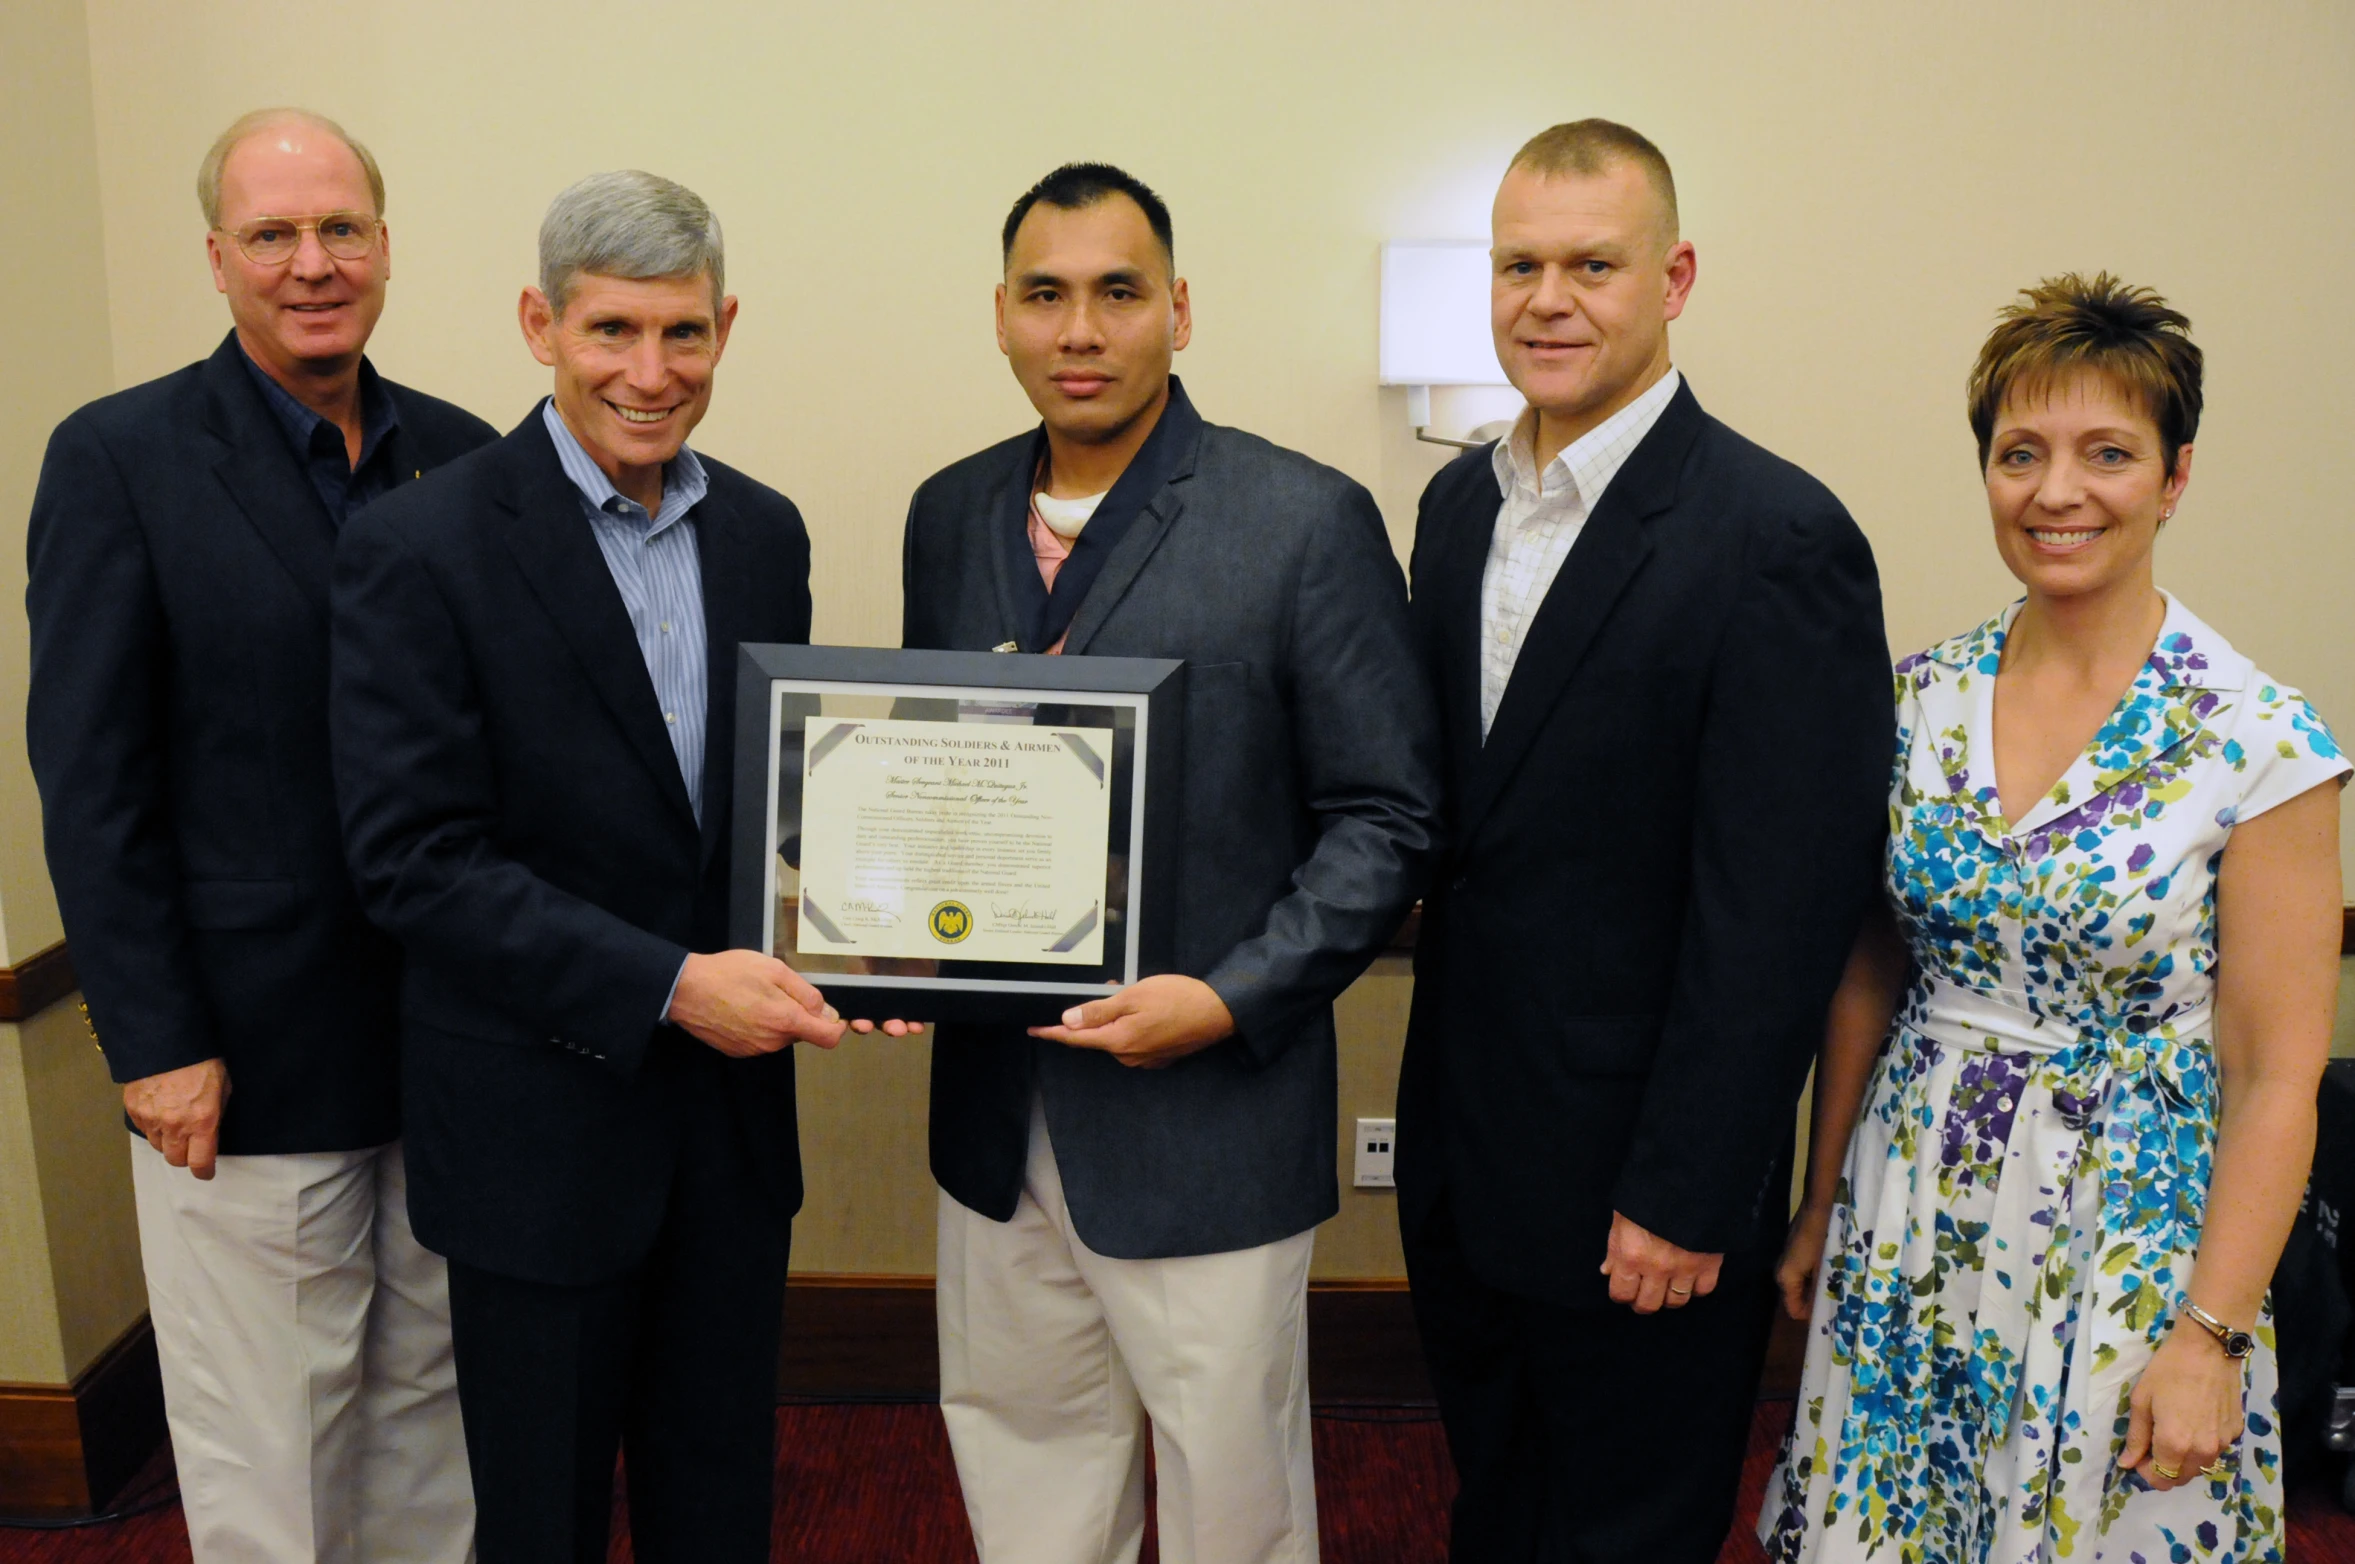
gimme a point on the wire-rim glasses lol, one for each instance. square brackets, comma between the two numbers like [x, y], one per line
[273, 241]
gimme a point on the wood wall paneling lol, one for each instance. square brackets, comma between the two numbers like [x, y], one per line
[36, 983]
[67, 1450]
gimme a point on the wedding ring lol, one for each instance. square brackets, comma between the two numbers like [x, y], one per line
[1681, 1292]
[2168, 1472]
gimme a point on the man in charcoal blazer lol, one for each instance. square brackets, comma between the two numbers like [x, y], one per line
[1128, 1199]
[179, 552]
[533, 725]
[1664, 684]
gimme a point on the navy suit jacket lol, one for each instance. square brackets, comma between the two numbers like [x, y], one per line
[1656, 862]
[1307, 824]
[177, 724]
[516, 817]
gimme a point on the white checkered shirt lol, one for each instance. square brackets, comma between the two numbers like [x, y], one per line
[1541, 518]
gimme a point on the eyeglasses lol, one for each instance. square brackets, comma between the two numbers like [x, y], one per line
[273, 241]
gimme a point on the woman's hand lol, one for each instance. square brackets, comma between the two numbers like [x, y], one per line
[2187, 1409]
[1802, 1259]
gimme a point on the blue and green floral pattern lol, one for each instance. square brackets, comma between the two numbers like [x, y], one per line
[2023, 1194]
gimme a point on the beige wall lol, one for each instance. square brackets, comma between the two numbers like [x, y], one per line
[60, 356]
[69, 1254]
[1865, 183]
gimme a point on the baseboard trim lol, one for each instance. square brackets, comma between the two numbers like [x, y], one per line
[35, 983]
[873, 1336]
[852, 1335]
[67, 1450]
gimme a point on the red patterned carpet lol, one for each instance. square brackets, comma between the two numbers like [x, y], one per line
[857, 1484]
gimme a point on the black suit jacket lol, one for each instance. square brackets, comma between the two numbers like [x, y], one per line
[1657, 860]
[1311, 794]
[177, 724]
[516, 817]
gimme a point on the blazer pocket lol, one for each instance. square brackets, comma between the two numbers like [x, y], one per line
[1610, 1045]
[239, 904]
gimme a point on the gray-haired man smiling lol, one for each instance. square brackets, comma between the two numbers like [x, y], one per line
[533, 681]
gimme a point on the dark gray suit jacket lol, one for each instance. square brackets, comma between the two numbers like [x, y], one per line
[1311, 798]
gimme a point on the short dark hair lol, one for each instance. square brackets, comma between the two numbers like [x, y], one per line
[2070, 324]
[1077, 185]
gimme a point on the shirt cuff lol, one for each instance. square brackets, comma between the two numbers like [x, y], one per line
[663, 1015]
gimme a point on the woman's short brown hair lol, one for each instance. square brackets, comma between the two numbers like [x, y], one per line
[2068, 324]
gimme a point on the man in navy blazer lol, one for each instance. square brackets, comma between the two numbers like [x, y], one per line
[179, 549]
[1664, 684]
[534, 687]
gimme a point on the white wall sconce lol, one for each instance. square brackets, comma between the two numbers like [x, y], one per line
[1435, 331]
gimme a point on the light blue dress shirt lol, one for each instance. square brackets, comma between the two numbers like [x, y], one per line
[659, 571]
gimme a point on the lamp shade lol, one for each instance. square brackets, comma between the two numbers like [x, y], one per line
[1435, 315]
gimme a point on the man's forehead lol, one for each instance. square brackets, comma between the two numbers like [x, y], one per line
[679, 300]
[1617, 200]
[292, 158]
[1108, 235]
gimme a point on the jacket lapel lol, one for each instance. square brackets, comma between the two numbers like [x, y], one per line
[1611, 548]
[1453, 591]
[402, 456]
[261, 474]
[730, 609]
[1127, 561]
[551, 541]
[1009, 553]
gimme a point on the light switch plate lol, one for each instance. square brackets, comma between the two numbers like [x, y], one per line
[1376, 1139]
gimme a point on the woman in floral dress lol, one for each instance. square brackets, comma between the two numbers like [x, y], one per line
[2086, 1040]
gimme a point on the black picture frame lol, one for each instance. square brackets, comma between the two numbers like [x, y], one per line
[779, 688]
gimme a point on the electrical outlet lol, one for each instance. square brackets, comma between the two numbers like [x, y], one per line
[1375, 1140]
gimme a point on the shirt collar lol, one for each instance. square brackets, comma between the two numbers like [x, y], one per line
[378, 416]
[1589, 462]
[684, 481]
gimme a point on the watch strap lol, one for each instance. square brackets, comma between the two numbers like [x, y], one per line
[2236, 1343]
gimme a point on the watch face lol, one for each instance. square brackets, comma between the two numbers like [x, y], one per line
[2239, 1344]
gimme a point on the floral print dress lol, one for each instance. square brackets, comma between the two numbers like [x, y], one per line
[2021, 1202]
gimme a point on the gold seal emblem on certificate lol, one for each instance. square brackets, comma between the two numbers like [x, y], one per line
[950, 922]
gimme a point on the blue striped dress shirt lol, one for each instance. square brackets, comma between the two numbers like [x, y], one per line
[659, 570]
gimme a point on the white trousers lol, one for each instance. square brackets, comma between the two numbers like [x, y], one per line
[1053, 1358]
[305, 1339]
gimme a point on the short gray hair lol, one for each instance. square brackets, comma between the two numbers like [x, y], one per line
[628, 224]
[208, 172]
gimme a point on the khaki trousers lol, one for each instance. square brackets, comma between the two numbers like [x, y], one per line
[305, 1340]
[1054, 1360]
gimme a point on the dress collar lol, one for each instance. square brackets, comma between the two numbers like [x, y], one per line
[2179, 685]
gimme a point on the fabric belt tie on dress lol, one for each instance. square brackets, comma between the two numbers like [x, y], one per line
[2110, 1089]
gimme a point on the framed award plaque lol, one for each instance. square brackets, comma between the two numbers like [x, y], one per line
[955, 836]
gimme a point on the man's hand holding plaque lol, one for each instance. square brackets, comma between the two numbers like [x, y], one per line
[745, 1004]
[1149, 1025]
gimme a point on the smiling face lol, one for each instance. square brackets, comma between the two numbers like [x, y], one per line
[310, 316]
[2077, 486]
[1090, 316]
[634, 360]
[1584, 280]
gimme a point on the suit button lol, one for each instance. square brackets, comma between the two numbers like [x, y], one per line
[1459, 882]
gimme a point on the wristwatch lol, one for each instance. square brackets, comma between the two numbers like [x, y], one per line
[2236, 1343]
